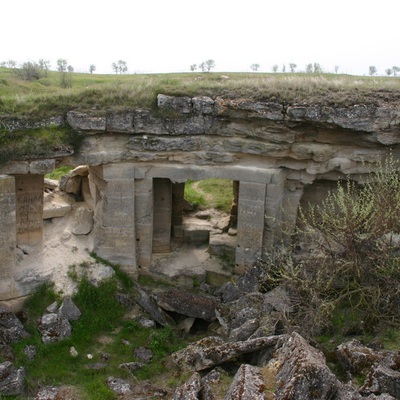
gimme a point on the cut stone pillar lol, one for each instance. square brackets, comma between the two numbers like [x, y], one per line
[178, 196]
[234, 207]
[162, 215]
[290, 206]
[273, 210]
[250, 228]
[144, 221]
[114, 214]
[29, 208]
[7, 234]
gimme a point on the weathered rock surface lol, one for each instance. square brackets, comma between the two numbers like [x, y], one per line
[69, 310]
[83, 221]
[192, 305]
[189, 390]
[210, 352]
[247, 384]
[119, 386]
[302, 372]
[357, 358]
[11, 328]
[54, 327]
[143, 354]
[12, 380]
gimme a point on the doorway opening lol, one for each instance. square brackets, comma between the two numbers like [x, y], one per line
[195, 223]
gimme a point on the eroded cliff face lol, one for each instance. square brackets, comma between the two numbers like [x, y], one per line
[278, 154]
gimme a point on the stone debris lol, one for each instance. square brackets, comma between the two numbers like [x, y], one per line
[189, 390]
[143, 354]
[119, 386]
[12, 380]
[69, 310]
[11, 328]
[54, 327]
[191, 305]
[247, 384]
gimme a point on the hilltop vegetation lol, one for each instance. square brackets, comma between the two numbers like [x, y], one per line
[45, 97]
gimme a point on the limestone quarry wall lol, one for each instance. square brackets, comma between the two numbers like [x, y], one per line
[273, 151]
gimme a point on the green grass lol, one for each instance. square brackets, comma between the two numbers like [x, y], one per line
[44, 97]
[216, 193]
[58, 173]
[37, 143]
[100, 329]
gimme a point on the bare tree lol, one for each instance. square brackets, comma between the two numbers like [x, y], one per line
[309, 68]
[317, 68]
[336, 69]
[92, 68]
[70, 68]
[44, 65]
[395, 70]
[203, 66]
[283, 68]
[275, 68]
[193, 67]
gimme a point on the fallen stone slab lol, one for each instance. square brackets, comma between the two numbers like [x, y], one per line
[247, 384]
[210, 352]
[191, 305]
[11, 328]
[55, 210]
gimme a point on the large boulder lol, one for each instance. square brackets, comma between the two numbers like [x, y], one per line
[69, 310]
[11, 328]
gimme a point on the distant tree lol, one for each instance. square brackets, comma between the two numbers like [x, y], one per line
[372, 70]
[292, 67]
[70, 68]
[44, 65]
[11, 64]
[395, 70]
[193, 67]
[309, 68]
[120, 67]
[317, 68]
[283, 68]
[210, 64]
[254, 67]
[275, 68]
[92, 68]
[389, 71]
[30, 71]
[336, 69]
[62, 65]
[203, 66]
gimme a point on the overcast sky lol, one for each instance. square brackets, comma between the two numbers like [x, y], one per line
[170, 35]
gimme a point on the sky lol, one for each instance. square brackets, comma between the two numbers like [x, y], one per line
[155, 36]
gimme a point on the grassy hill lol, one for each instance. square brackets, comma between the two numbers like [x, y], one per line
[45, 97]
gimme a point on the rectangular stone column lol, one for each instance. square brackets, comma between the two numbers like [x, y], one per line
[273, 210]
[114, 213]
[7, 234]
[29, 210]
[290, 206]
[250, 228]
[162, 215]
[144, 221]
